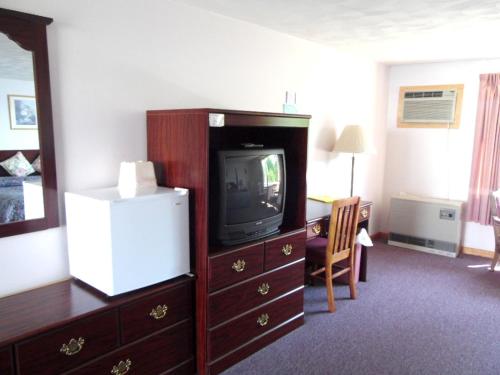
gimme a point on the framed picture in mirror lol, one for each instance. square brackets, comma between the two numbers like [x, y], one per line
[22, 111]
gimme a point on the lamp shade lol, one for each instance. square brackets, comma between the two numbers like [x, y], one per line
[352, 140]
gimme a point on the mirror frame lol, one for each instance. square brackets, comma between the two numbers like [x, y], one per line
[29, 32]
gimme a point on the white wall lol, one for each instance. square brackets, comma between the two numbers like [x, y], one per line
[112, 60]
[435, 162]
[356, 95]
[15, 139]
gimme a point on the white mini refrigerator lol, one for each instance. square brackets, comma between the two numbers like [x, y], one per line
[120, 244]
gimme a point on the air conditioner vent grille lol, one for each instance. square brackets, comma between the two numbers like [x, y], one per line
[401, 239]
[424, 94]
[429, 111]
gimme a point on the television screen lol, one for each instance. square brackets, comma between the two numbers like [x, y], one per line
[254, 186]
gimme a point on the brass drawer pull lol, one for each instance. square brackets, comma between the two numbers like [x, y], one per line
[122, 367]
[316, 228]
[73, 346]
[239, 265]
[287, 249]
[263, 289]
[263, 320]
[364, 213]
[159, 312]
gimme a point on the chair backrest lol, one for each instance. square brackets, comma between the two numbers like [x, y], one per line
[343, 225]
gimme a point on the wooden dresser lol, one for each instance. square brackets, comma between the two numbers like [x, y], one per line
[67, 328]
[256, 295]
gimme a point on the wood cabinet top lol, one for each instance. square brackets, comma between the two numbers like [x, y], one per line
[227, 111]
[233, 118]
[39, 310]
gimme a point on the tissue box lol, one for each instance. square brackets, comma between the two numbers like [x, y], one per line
[136, 174]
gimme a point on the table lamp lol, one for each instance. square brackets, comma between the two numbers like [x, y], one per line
[352, 141]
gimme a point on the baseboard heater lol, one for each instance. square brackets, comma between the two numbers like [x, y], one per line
[426, 224]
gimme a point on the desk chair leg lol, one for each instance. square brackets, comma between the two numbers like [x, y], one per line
[352, 282]
[352, 285]
[329, 289]
[494, 261]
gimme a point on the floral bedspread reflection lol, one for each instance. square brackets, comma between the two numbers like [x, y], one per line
[12, 199]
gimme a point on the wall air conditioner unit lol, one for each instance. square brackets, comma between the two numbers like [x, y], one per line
[430, 106]
[426, 224]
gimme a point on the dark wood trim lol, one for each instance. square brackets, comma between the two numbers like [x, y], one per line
[185, 368]
[238, 331]
[226, 111]
[259, 342]
[6, 361]
[282, 280]
[165, 348]
[47, 151]
[180, 143]
[29, 31]
[255, 119]
[244, 118]
[169, 139]
[258, 113]
[40, 310]
[25, 16]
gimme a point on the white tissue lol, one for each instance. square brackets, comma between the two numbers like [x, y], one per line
[363, 238]
[136, 176]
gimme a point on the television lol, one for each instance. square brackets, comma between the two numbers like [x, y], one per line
[248, 199]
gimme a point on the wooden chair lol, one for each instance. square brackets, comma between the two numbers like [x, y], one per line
[326, 253]
[495, 217]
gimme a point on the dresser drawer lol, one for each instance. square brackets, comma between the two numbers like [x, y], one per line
[316, 229]
[150, 356]
[285, 249]
[229, 302]
[234, 266]
[185, 368]
[68, 347]
[158, 311]
[6, 367]
[239, 331]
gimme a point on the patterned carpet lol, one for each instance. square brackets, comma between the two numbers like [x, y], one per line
[417, 314]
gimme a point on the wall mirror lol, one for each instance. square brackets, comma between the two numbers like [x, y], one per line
[28, 186]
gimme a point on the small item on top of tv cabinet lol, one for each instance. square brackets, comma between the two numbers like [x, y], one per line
[252, 145]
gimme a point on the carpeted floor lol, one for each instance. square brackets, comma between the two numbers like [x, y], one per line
[417, 314]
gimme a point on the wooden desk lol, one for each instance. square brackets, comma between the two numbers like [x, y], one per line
[318, 219]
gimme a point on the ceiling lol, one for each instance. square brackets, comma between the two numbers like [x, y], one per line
[390, 31]
[15, 62]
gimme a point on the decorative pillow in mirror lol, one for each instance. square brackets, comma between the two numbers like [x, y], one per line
[37, 164]
[17, 165]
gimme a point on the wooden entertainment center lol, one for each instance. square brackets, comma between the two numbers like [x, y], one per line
[247, 295]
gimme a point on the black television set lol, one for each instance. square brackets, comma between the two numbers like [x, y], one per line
[248, 199]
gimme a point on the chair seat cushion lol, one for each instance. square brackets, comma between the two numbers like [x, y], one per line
[315, 250]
